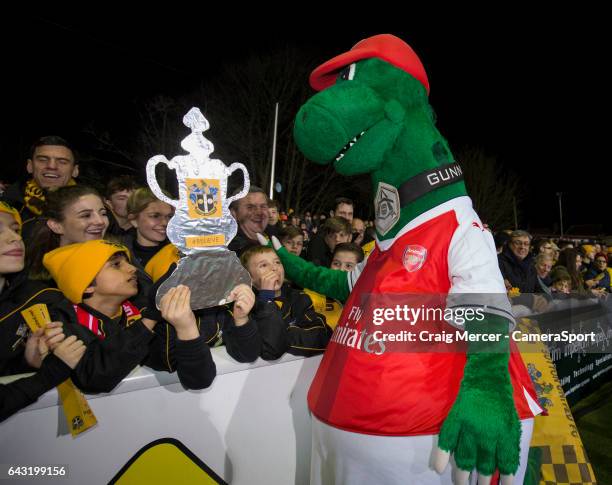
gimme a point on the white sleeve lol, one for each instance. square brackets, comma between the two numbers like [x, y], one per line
[476, 281]
[353, 276]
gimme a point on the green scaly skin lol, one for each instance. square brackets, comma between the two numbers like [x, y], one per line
[400, 141]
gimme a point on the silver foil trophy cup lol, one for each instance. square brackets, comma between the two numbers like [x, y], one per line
[202, 225]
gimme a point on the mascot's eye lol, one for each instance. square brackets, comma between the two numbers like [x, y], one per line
[348, 73]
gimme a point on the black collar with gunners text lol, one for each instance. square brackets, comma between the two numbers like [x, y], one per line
[428, 181]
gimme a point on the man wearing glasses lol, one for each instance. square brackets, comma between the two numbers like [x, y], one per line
[518, 269]
[598, 276]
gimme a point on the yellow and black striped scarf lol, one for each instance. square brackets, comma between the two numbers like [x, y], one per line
[34, 196]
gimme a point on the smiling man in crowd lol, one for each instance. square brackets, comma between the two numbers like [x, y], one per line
[251, 213]
[51, 165]
[519, 271]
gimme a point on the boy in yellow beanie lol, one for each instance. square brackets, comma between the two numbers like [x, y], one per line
[97, 280]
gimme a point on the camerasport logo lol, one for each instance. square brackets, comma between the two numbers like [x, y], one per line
[414, 257]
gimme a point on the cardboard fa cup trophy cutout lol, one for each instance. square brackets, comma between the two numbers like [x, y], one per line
[202, 225]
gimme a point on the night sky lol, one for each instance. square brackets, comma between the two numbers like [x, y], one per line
[526, 89]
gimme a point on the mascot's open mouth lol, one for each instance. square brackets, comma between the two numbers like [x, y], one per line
[348, 146]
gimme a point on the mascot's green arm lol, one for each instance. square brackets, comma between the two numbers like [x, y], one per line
[328, 282]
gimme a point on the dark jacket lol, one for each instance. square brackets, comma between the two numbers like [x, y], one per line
[109, 357]
[318, 253]
[289, 323]
[602, 277]
[273, 230]
[14, 196]
[545, 284]
[19, 294]
[114, 229]
[241, 242]
[217, 327]
[520, 274]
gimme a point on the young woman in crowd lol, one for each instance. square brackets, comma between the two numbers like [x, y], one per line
[151, 253]
[19, 354]
[571, 259]
[149, 216]
[71, 215]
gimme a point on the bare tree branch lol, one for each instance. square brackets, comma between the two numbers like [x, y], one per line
[493, 190]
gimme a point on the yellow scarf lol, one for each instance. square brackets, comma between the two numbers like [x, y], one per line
[34, 196]
[159, 264]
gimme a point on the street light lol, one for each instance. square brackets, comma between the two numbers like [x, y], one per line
[273, 153]
[559, 194]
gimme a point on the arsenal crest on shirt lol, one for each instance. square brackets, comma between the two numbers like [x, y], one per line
[414, 257]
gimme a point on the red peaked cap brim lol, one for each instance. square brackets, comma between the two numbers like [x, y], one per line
[383, 46]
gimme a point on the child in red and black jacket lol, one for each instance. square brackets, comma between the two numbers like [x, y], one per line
[97, 280]
[285, 316]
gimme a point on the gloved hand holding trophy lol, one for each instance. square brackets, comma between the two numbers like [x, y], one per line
[202, 226]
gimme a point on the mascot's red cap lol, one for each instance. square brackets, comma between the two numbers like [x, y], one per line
[384, 46]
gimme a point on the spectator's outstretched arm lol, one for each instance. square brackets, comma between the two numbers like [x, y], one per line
[240, 332]
[328, 282]
[243, 343]
[20, 393]
[54, 368]
[106, 362]
[195, 366]
[191, 359]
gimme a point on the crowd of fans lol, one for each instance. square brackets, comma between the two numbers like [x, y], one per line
[538, 271]
[97, 261]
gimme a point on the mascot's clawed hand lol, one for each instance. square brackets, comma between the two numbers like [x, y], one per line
[482, 429]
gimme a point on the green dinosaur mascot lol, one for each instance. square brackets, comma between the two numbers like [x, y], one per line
[379, 404]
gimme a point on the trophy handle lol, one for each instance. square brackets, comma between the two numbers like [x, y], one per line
[152, 179]
[245, 190]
